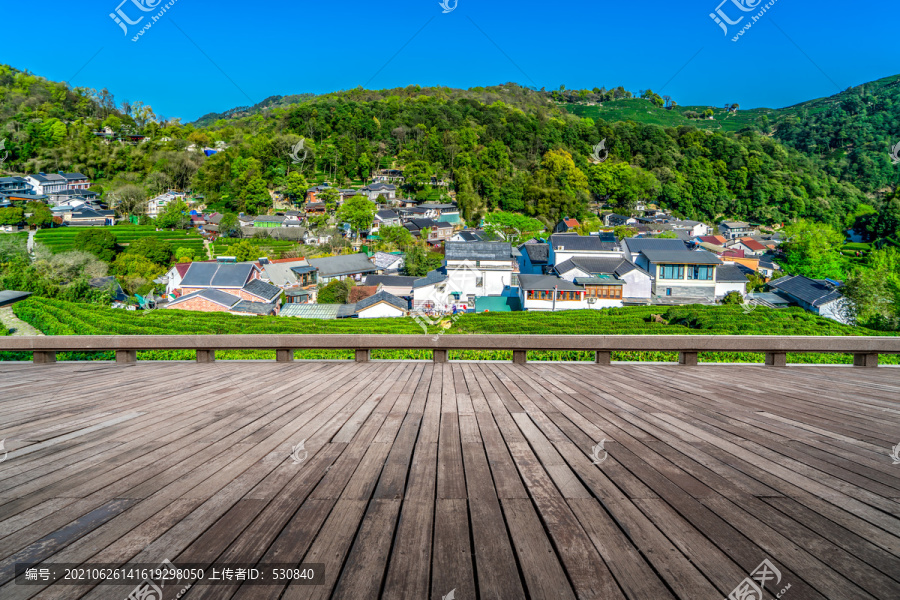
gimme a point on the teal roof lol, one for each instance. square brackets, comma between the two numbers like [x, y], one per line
[497, 304]
[451, 218]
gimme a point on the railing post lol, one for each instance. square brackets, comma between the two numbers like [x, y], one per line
[44, 357]
[126, 357]
[206, 356]
[363, 355]
[520, 357]
[687, 358]
[439, 356]
[865, 360]
[284, 355]
[603, 357]
[776, 359]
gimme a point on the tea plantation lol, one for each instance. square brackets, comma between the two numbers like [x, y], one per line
[55, 317]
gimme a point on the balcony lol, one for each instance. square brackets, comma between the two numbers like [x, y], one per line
[411, 479]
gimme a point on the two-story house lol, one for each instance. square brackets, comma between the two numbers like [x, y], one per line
[374, 190]
[480, 269]
[681, 276]
[47, 183]
[636, 283]
[735, 229]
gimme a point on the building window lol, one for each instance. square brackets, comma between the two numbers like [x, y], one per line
[700, 272]
[514, 282]
[671, 271]
[668, 291]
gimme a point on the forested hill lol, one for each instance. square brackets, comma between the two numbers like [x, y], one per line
[506, 147]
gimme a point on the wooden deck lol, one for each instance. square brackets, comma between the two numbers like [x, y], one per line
[418, 479]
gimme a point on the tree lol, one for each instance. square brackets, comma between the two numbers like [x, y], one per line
[418, 261]
[295, 186]
[256, 197]
[128, 200]
[11, 216]
[153, 249]
[812, 250]
[230, 225]
[183, 255]
[244, 251]
[513, 227]
[358, 211]
[365, 167]
[335, 292]
[395, 237]
[330, 197]
[175, 215]
[872, 291]
[99, 242]
[667, 235]
[41, 216]
[136, 272]
[624, 231]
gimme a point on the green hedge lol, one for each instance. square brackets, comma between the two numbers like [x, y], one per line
[56, 317]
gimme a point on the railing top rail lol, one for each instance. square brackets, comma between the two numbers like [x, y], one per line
[679, 343]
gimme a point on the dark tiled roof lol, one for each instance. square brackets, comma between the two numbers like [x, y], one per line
[255, 308]
[217, 296]
[347, 264]
[391, 280]
[636, 245]
[732, 272]
[581, 243]
[599, 265]
[686, 257]
[431, 278]
[387, 215]
[269, 219]
[381, 296]
[539, 254]
[264, 290]
[812, 291]
[546, 282]
[478, 251]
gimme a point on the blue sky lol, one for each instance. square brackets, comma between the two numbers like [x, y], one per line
[204, 57]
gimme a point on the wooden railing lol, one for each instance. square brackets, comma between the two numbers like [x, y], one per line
[864, 349]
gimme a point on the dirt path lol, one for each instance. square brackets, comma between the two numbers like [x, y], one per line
[11, 321]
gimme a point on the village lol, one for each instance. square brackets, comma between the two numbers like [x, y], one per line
[646, 257]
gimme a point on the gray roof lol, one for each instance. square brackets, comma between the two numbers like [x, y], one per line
[581, 243]
[735, 224]
[387, 215]
[538, 253]
[380, 186]
[383, 260]
[478, 251]
[381, 296]
[598, 281]
[391, 280]
[256, 308]
[685, 257]
[270, 219]
[264, 290]
[213, 295]
[815, 292]
[218, 275]
[8, 297]
[636, 245]
[732, 272]
[612, 265]
[546, 282]
[311, 311]
[430, 279]
[280, 274]
[346, 264]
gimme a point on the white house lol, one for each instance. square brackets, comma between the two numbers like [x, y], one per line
[636, 282]
[735, 229]
[381, 305]
[47, 183]
[682, 276]
[551, 293]
[373, 190]
[633, 247]
[480, 269]
[730, 277]
[430, 293]
[818, 296]
[384, 218]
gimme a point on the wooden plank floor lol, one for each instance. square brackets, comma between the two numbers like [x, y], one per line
[418, 479]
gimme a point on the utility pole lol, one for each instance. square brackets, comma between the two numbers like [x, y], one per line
[554, 299]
